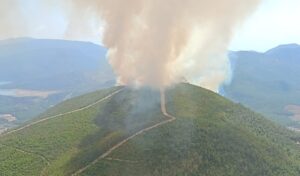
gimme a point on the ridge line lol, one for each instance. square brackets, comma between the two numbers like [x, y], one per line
[113, 148]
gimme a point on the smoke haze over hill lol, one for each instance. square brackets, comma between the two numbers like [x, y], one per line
[154, 43]
[157, 43]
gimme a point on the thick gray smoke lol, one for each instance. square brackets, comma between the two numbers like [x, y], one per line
[159, 42]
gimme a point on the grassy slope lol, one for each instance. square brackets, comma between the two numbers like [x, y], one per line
[267, 82]
[211, 136]
[13, 161]
[55, 139]
[71, 141]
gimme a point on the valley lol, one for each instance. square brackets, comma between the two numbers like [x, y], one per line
[295, 111]
[116, 132]
[149, 88]
[253, 83]
[47, 72]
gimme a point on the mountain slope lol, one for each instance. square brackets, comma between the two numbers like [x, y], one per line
[210, 136]
[42, 59]
[69, 68]
[51, 60]
[267, 82]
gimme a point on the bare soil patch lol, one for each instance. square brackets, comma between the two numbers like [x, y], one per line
[295, 110]
[8, 117]
[32, 93]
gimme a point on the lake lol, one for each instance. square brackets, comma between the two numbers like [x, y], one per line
[24, 93]
[19, 93]
[7, 92]
[4, 83]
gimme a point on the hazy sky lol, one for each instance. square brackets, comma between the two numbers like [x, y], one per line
[275, 22]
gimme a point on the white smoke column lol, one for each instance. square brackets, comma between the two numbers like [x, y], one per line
[12, 22]
[32, 18]
[158, 42]
[151, 42]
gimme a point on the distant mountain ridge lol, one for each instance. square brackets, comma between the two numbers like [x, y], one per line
[40, 59]
[267, 82]
[68, 67]
[291, 48]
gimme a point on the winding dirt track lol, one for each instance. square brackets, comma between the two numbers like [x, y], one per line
[120, 160]
[43, 158]
[29, 153]
[49, 118]
[62, 114]
[170, 118]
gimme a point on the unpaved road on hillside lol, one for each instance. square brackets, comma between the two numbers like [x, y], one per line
[62, 114]
[169, 117]
[49, 118]
[43, 158]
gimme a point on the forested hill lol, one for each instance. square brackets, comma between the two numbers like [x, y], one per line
[268, 82]
[123, 132]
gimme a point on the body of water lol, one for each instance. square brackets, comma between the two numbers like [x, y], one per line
[7, 92]
[4, 83]
[26, 93]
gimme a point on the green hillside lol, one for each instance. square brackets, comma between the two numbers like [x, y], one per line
[267, 82]
[211, 136]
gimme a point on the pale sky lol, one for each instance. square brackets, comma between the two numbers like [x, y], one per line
[275, 22]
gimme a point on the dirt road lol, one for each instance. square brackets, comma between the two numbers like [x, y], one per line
[43, 158]
[49, 118]
[170, 118]
[62, 114]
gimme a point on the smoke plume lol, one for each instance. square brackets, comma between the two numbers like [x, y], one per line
[160, 42]
[33, 18]
[150, 42]
[11, 21]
